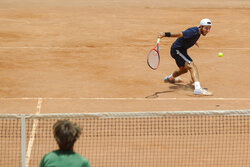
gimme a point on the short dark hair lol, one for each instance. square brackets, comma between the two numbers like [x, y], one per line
[66, 133]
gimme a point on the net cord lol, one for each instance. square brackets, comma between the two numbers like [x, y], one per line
[128, 114]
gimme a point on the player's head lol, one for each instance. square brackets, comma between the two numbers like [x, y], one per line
[66, 134]
[205, 26]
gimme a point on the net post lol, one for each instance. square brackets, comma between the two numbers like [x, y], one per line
[23, 141]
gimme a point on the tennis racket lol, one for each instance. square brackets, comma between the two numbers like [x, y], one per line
[153, 58]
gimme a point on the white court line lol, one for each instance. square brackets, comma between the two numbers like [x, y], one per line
[134, 98]
[33, 132]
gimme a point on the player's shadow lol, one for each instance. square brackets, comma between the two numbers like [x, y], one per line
[174, 87]
[180, 86]
[156, 94]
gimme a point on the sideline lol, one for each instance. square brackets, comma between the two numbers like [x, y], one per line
[40, 99]
[33, 132]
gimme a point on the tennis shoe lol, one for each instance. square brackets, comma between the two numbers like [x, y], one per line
[176, 80]
[202, 91]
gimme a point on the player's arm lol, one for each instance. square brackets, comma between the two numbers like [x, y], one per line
[170, 34]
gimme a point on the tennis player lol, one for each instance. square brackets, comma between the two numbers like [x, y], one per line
[65, 134]
[185, 40]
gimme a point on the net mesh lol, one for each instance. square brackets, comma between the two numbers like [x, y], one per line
[137, 139]
[10, 142]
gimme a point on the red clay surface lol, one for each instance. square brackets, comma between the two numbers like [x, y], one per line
[97, 49]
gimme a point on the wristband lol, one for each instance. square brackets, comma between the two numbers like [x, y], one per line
[167, 34]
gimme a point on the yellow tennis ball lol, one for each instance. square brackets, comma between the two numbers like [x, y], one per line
[220, 54]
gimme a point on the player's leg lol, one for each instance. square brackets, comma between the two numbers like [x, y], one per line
[195, 77]
[180, 71]
[173, 78]
[185, 63]
[180, 62]
[194, 74]
[193, 71]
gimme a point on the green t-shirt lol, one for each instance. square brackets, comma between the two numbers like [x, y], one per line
[61, 158]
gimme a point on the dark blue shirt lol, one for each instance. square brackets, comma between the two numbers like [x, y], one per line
[190, 36]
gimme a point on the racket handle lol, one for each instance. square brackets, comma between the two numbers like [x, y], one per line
[158, 40]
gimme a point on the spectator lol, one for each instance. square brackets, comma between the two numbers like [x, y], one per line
[65, 134]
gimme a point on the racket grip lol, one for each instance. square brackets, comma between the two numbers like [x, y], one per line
[158, 40]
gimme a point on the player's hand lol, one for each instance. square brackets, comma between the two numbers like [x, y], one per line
[161, 34]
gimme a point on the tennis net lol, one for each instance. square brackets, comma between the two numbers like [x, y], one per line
[186, 139]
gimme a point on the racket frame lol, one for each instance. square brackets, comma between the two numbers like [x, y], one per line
[156, 48]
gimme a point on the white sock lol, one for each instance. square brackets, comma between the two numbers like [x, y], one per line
[170, 75]
[197, 85]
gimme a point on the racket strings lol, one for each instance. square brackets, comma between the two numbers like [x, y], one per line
[153, 59]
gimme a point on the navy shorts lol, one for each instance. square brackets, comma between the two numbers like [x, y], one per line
[180, 56]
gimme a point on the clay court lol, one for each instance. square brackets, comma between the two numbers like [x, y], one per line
[90, 57]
